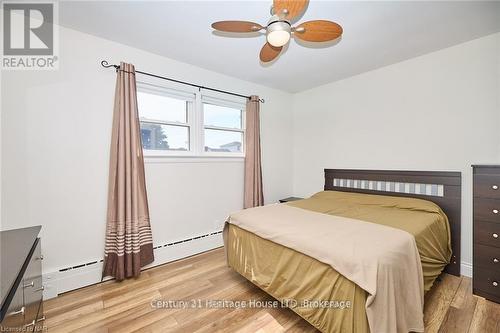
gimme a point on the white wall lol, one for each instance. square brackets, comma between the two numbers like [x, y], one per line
[440, 111]
[56, 129]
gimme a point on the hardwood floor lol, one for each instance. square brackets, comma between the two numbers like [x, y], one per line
[126, 306]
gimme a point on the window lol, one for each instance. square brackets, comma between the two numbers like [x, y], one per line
[165, 123]
[180, 123]
[223, 128]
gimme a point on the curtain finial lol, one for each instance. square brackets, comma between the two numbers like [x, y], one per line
[255, 98]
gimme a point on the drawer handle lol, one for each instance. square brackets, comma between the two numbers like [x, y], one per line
[31, 285]
[30, 324]
[42, 288]
[40, 257]
[495, 235]
[495, 284]
[495, 187]
[18, 312]
[42, 318]
[495, 260]
[495, 211]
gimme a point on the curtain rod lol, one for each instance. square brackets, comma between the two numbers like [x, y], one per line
[105, 64]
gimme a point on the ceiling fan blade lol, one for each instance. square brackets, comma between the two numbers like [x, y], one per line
[294, 8]
[236, 26]
[318, 31]
[269, 53]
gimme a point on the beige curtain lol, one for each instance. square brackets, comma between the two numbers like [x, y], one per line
[129, 243]
[254, 195]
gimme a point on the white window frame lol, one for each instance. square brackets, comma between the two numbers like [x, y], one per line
[191, 99]
[227, 103]
[195, 122]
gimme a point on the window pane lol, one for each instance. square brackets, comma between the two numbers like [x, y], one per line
[223, 141]
[221, 116]
[164, 137]
[158, 107]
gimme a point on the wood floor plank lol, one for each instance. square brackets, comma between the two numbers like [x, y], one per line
[286, 318]
[229, 322]
[55, 318]
[202, 320]
[101, 318]
[138, 321]
[228, 292]
[461, 309]
[121, 322]
[302, 326]
[263, 323]
[126, 306]
[438, 300]
[486, 318]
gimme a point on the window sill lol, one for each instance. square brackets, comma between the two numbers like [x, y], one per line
[192, 159]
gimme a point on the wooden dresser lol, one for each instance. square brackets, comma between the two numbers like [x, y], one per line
[486, 246]
[21, 289]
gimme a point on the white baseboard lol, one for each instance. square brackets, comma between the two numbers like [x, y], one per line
[466, 269]
[77, 277]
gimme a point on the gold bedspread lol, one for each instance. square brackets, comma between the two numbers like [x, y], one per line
[287, 274]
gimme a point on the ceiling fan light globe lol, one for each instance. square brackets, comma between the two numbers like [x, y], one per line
[278, 38]
[278, 33]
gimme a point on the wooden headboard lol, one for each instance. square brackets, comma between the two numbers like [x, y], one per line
[441, 187]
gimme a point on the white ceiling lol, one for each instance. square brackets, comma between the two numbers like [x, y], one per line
[376, 34]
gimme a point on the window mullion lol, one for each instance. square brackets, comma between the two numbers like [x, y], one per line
[198, 124]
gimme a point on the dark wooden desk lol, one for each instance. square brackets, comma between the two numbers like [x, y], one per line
[21, 289]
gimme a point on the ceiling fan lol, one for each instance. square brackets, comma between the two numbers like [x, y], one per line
[279, 29]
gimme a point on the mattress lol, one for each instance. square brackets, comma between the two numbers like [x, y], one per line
[287, 274]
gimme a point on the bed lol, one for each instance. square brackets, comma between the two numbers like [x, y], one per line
[425, 205]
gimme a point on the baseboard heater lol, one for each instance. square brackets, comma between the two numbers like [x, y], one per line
[154, 248]
[187, 240]
[81, 275]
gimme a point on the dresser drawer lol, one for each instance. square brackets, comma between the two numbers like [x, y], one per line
[487, 210]
[487, 281]
[487, 233]
[487, 186]
[487, 257]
